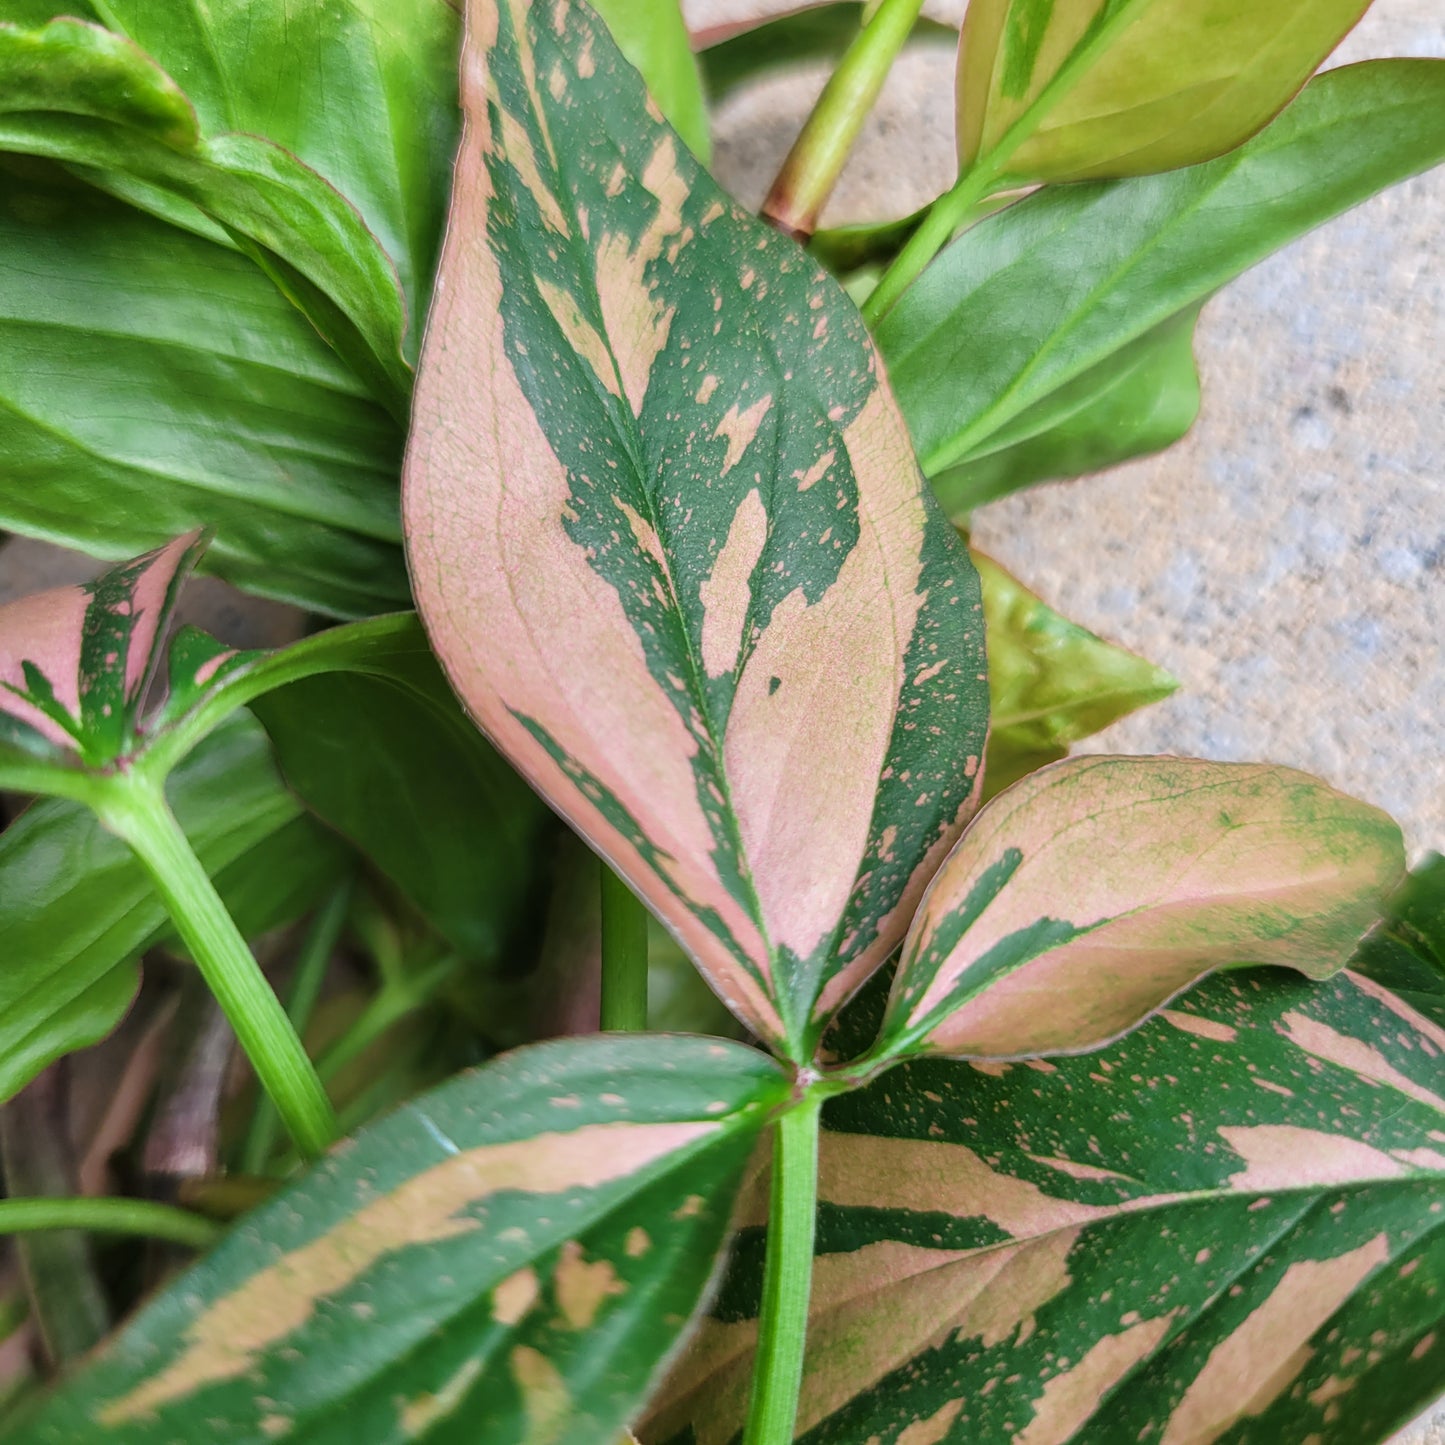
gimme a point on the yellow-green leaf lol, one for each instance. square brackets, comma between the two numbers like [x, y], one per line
[1068, 89]
[1090, 893]
[669, 539]
[1051, 682]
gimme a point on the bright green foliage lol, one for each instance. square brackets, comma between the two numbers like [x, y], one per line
[76, 908]
[1093, 891]
[1229, 1226]
[1051, 682]
[152, 382]
[394, 765]
[508, 1259]
[1070, 89]
[1032, 311]
[670, 543]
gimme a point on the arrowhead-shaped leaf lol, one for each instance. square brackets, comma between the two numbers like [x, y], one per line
[1092, 892]
[1030, 304]
[75, 661]
[1227, 1227]
[511, 1258]
[669, 540]
[152, 382]
[1070, 89]
[1051, 682]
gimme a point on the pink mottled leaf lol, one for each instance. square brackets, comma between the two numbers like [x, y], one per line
[1089, 894]
[669, 539]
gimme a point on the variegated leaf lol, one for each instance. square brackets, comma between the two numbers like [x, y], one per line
[1406, 950]
[508, 1260]
[1090, 893]
[1067, 89]
[670, 542]
[75, 661]
[1230, 1227]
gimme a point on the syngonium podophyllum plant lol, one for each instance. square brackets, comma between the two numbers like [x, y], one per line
[1030, 1180]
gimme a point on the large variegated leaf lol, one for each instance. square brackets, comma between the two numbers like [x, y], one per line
[1093, 891]
[1068, 89]
[1051, 683]
[1406, 951]
[669, 539]
[508, 1260]
[1230, 1227]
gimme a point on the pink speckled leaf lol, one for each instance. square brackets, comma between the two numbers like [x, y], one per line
[1089, 894]
[668, 537]
[75, 661]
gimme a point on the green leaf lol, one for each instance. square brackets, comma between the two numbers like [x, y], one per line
[363, 92]
[75, 662]
[1030, 301]
[1406, 951]
[76, 101]
[76, 907]
[653, 37]
[1051, 683]
[1108, 885]
[675, 554]
[152, 383]
[508, 1260]
[1071, 89]
[1228, 1227]
[400, 771]
[1139, 399]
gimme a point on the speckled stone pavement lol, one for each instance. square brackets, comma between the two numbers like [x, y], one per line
[1287, 560]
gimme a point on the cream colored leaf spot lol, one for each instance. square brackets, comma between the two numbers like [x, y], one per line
[740, 428]
[727, 592]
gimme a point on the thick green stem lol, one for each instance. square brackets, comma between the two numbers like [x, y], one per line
[310, 974]
[787, 1277]
[108, 1216]
[134, 807]
[822, 147]
[624, 957]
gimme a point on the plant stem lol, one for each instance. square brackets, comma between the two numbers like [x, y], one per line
[311, 964]
[944, 217]
[133, 806]
[821, 149]
[624, 956]
[787, 1277]
[108, 1216]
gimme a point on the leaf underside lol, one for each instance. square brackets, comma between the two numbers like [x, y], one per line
[669, 540]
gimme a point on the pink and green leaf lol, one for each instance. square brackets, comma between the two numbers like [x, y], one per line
[1089, 894]
[510, 1259]
[668, 537]
[1102, 88]
[1228, 1226]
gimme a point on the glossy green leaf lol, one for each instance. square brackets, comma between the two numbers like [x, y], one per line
[1406, 951]
[1071, 89]
[1051, 682]
[1140, 399]
[399, 770]
[509, 1260]
[363, 92]
[1027, 303]
[670, 542]
[75, 662]
[152, 382]
[1092, 892]
[76, 907]
[1229, 1227]
[654, 38]
[76, 101]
